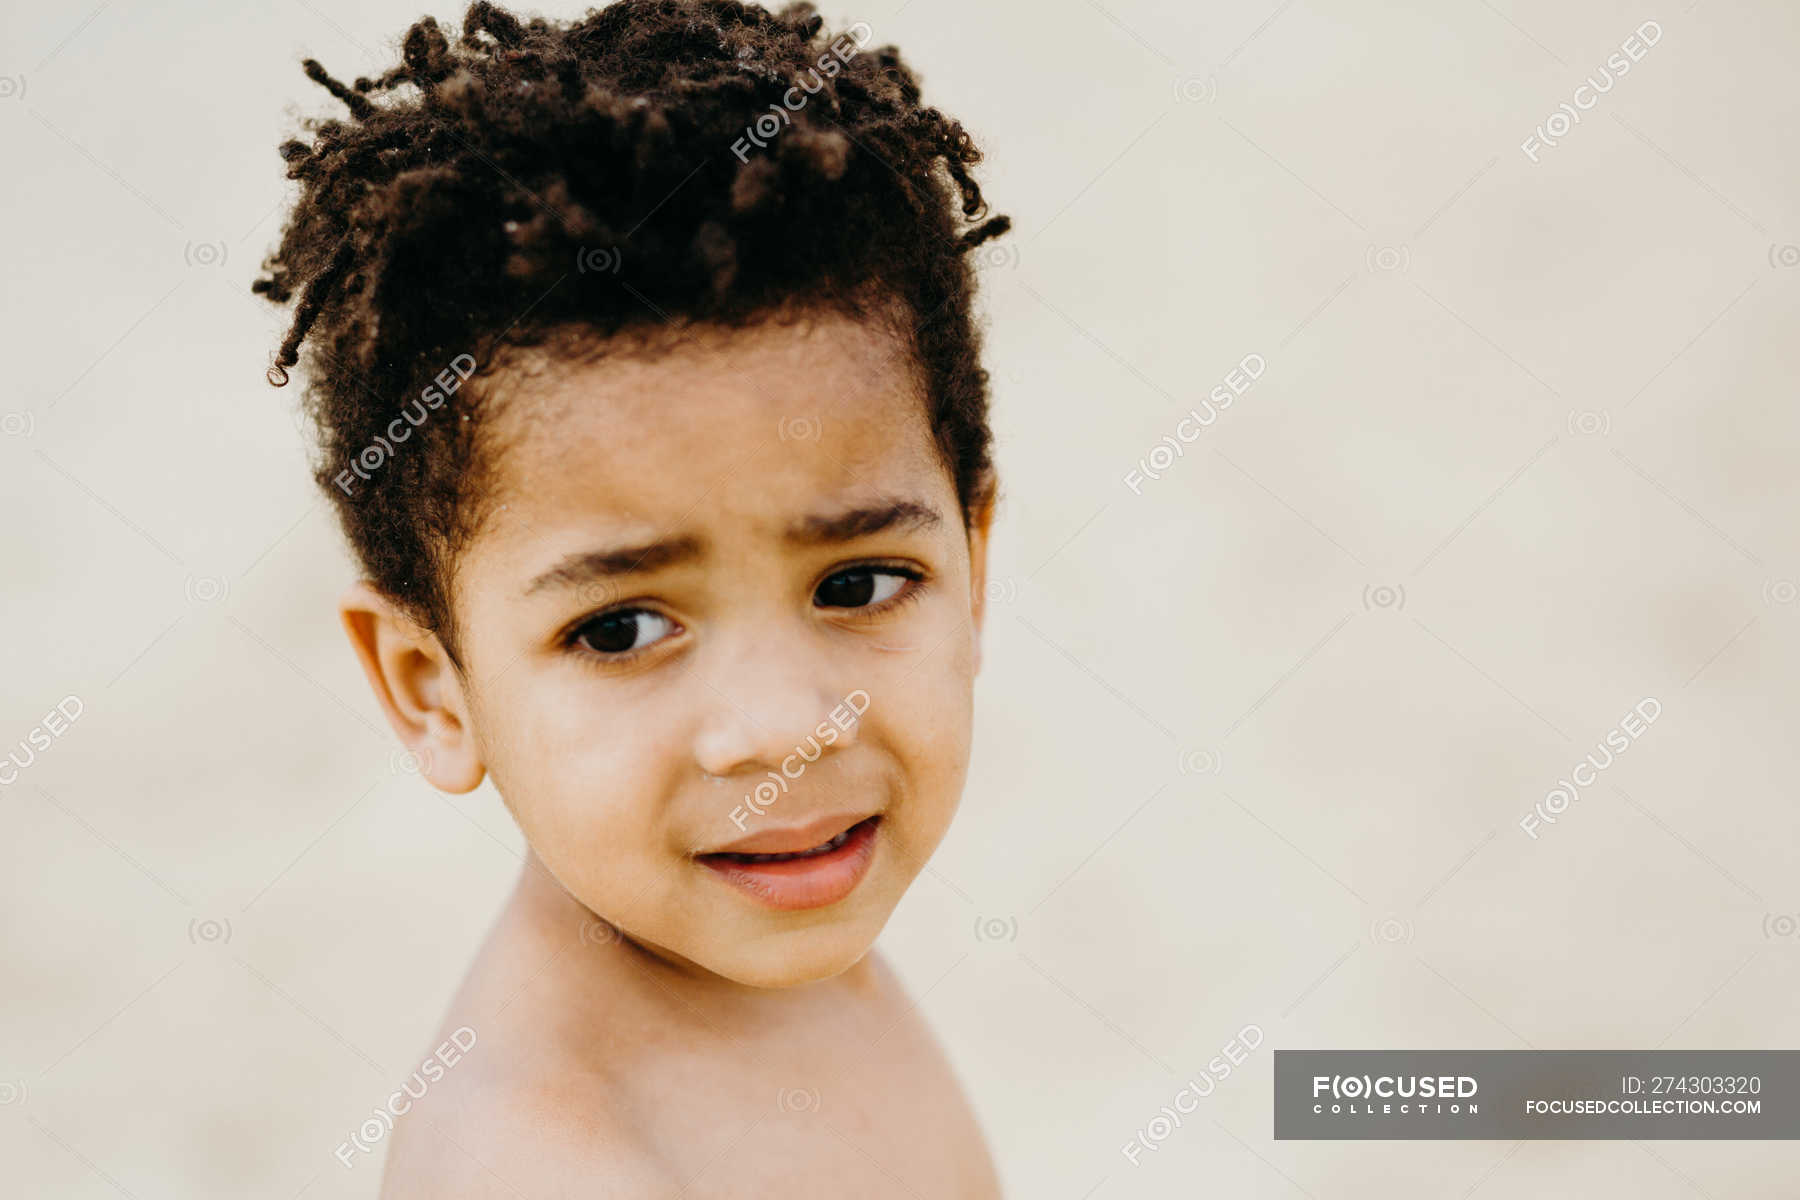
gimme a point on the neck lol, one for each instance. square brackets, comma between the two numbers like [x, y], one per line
[613, 963]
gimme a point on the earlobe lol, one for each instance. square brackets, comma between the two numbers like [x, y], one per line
[417, 685]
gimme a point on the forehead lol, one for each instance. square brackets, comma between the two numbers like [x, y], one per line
[753, 425]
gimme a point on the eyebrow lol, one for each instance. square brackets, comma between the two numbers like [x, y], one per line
[587, 566]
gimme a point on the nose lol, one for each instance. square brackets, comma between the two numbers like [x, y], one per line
[772, 709]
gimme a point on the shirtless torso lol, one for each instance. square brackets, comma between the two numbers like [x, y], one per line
[600, 1070]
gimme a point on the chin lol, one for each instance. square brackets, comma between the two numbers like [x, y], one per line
[800, 957]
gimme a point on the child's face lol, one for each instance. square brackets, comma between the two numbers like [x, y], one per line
[628, 706]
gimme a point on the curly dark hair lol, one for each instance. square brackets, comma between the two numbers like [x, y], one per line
[652, 164]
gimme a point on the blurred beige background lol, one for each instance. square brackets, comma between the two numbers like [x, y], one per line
[1256, 735]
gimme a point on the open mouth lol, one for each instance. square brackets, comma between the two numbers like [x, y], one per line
[795, 879]
[825, 847]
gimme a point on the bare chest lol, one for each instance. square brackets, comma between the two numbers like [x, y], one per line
[875, 1113]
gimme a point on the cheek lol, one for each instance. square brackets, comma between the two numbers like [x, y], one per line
[572, 761]
[927, 709]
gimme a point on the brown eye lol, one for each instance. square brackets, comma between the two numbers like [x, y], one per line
[620, 631]
[860, 587]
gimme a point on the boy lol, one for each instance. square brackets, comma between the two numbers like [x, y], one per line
[683, 542]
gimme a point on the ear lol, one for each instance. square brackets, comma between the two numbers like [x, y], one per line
[981, 519]
[417, 685]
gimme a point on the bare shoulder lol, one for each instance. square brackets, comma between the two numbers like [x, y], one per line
[487, 1133]
[516, 1115]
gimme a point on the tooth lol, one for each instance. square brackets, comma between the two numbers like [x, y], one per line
[784, 856]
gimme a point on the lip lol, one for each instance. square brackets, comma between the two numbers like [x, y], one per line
[791, 839]
[800, 883]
